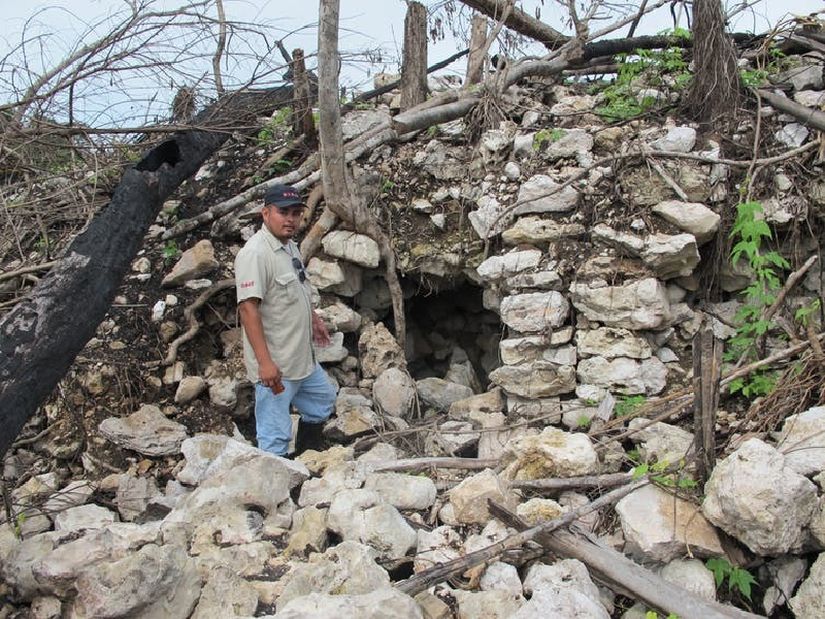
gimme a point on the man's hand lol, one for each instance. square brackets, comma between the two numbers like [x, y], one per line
[270, 376]
[320, 334]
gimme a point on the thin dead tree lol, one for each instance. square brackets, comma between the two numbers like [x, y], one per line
[414, 64]
[715, 90]
[338, 193]
[216, 59]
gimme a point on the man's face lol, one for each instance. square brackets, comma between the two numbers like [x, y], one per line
[282, 221]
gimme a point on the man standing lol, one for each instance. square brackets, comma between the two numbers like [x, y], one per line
[280, 328]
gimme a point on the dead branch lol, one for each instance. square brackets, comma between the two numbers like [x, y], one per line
[620, 573]
[189, 315]
[417, 464]
[43, 266]
[806, 115]
[216, 59]
[519, 21]
[569, 483]
[439, 573]
[326, 222]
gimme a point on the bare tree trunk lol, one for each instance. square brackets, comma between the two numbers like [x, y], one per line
[478, 50]
[714, 92]
[414, 64]
[216, 59]
[302, 121]
[337, 195]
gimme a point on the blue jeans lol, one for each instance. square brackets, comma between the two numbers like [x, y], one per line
[313, 396]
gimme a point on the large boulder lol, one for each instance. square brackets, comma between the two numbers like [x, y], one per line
[659, 527]
[635, 305]
[553, 453]
[754, 496]
[146, 431]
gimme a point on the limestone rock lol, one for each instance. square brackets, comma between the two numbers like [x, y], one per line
[146, 431]
[563, 574]
[609, 342]
[537, 230]
[561, 602]
[571, 143]
[802, 441]
[692, 217]
[538, 510]
[134, 494]
[485, 219]
[442, 162]
[534, 311]
[325, 274]
[344, 476]
[469, 498]
[648, 376]
[189, 388]
[334, 352]
[353, 247]
[553, 453]
[483, 403]
[379, 604]
[403, 491]
[394, 392]
[808, 603]
[541, 194]
[361, 515]
[440, 393]
[193, 263]
[692, 575]
[677, 140]
[501, 576]
[506, 265]
[754, 496]
[308, 532]
[660, 527]
[636, 305]
[535, 380]
[661, 442]
[83, 517]
[441, 545]
[340, 317]
[348, 568]
[74, 493]
[154, 581]
[225, 594]
[671, 255]
[379, 350]
[495, 604]
[358, 122]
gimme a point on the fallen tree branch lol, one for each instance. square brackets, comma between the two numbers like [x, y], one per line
[43, 266]
[567, 483]
[618, 572]
[426, 579]
[806, 115]
[417, 464]
[189, 314]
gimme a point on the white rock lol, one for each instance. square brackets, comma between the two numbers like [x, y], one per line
[340, 317]
[786, 573]
[505, 265]
[422, 205]
[802, 441]
[358, 122]
[809, 603]
[146, 431]
[677, 140]
[754, 496]
[512, 170]
[792, 135]
[661, 442]
[194, 263]
[636, 305]
[648, 376]
[610, 342]
[571, 143]
[494, 604]
[660, 527]
[671, 255]
[334, 352]
[394, 392]
[347, 569]
[555, 602]
[534, 311]
[83, 517]
[403, 491]
[553, 453]
[563, 574]
[484, 218]
[325, 274]
[537, 510]
[692, 575]
[501, 576]
[469, 498]
[362, 516]
[353, 247]
[692, 217]
[379, 604]
[225, 594]
[441, 545]
[440, 393]
[539, 230]
[539, 379]
[541, 194]
[189, 388]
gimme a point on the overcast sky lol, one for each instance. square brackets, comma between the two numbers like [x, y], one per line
[373, 24]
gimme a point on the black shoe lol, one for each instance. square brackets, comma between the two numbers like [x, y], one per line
[310, 436]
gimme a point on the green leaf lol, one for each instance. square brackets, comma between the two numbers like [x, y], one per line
[720, 568]
[640, 471]
[742, 579]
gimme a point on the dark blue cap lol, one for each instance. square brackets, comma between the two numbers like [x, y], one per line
[282, 195]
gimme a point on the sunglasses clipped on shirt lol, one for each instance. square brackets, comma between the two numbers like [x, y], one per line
[299, 268]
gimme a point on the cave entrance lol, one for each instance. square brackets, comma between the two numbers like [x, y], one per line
[449, 327]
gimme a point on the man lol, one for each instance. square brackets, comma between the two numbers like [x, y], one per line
[280, 328]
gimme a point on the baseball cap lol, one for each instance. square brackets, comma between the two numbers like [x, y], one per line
[283, 195]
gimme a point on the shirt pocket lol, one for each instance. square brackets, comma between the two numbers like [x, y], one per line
[287, 287]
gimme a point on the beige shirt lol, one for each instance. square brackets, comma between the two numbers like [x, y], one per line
[264, 270]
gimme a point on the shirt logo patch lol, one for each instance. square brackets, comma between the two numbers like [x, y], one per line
[248, 283]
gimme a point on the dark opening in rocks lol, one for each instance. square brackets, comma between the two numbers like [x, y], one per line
[448, 328]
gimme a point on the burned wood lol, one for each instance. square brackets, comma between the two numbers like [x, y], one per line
[426, 579]
[619, 572]
[707, 366]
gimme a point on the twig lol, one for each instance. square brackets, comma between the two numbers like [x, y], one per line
[567, 483]
[416, 464]
[43, 266]
[189, 314]
[668, 180]
[426, 579]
